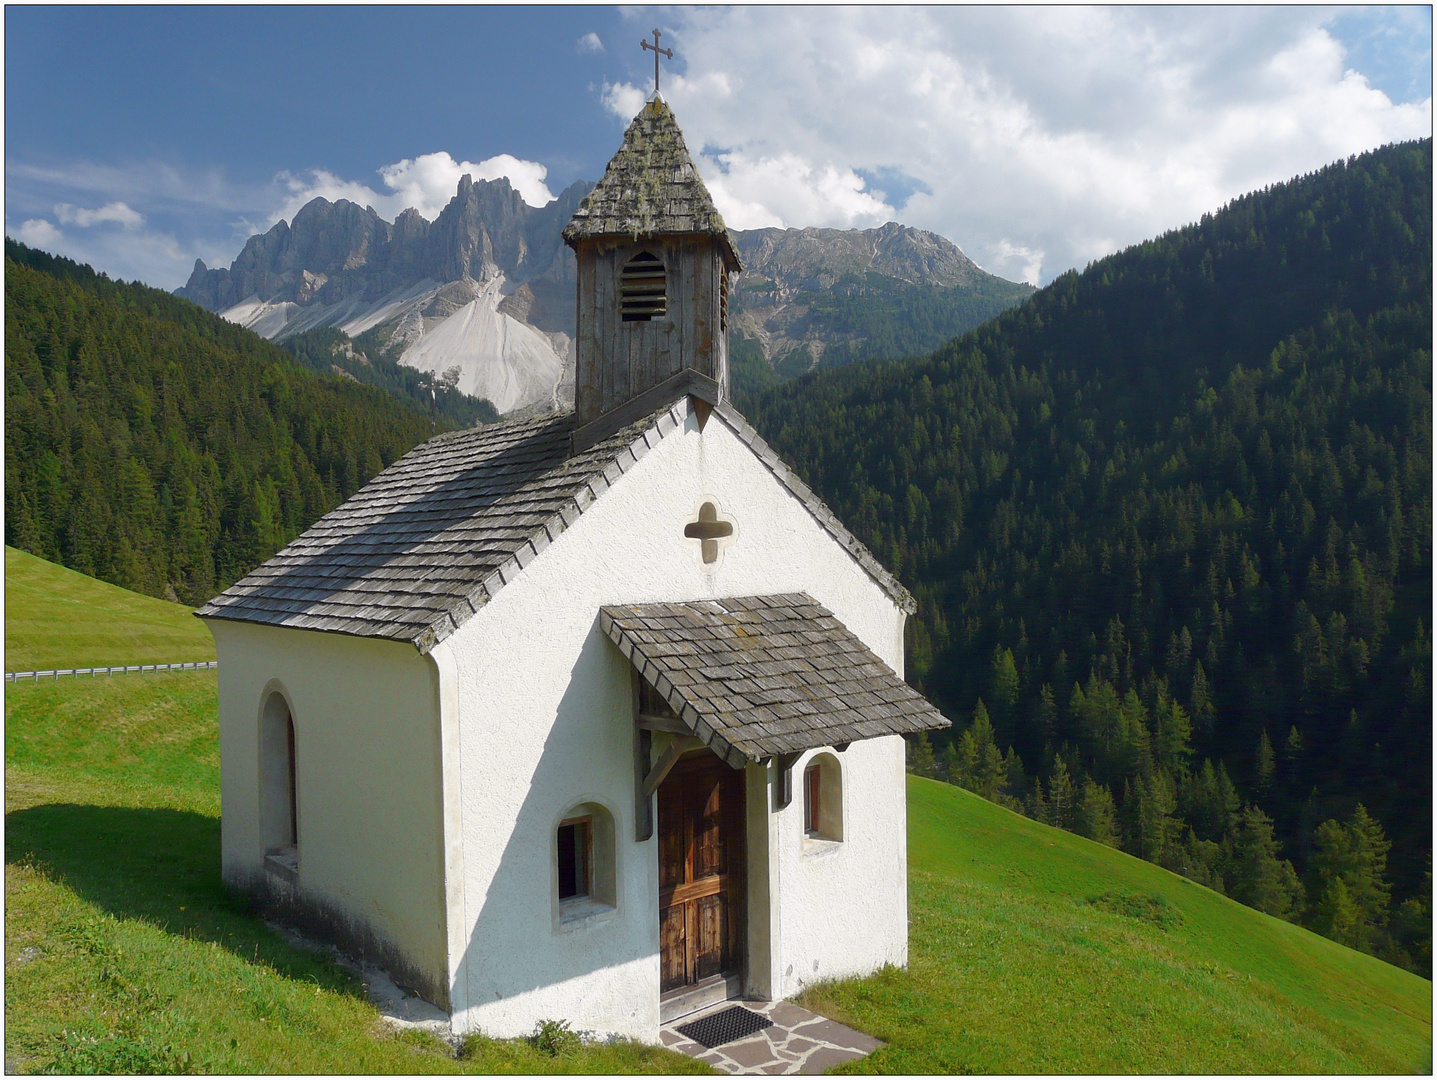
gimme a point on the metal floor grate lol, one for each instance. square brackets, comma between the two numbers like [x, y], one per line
[725, 1027]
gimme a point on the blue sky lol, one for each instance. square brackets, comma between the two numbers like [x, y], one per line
[1037, 139]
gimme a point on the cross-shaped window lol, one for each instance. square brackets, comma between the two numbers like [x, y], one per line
[709, 528]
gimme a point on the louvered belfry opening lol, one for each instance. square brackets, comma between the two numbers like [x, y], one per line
[643, 288]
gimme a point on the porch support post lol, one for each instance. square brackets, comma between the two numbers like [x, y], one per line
[783, 779]
[643, 798]
[763, 977]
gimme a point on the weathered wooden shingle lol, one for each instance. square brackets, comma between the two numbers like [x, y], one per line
[651, 188]
[717, 664]
[428, 542]
[418, 550]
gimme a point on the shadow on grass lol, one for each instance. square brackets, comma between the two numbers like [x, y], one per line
[163, 867]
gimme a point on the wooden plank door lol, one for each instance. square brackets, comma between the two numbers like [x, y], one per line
[701, 872]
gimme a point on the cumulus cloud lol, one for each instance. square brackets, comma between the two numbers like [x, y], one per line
[426, 183]
[785, 189]
[115, 213]
[624, 100]
[1036, 138]
[38, 233]
[590, 43]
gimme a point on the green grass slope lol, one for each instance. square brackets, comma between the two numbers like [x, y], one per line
[58, 618]
[1033, 950]
[124, 951]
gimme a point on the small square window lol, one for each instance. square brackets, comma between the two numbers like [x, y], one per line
[575, 859]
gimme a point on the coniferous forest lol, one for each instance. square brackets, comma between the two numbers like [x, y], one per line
[153, 445]
[1169, 526]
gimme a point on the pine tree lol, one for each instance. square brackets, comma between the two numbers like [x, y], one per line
[1038, 808]
[1255, 873]
[950, 763]
[1266, 764]
[1005, 691]
[920, 755]
[1356, 855]
[1201, 701]
[1095, 816]
[1336, 916]
[1045, 723]
[1156, 825]
[1171, 734]
[981, 768]
[1060, 795]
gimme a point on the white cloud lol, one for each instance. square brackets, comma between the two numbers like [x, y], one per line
[1040, 138]
[1029, 262]
[115, 213]
[590, 43]
[623, 100]
[426, 183]
[133, 253]
[787, 191]
[430, 180]
[38, 233]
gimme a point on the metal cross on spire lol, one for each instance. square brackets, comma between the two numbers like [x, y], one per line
[657, 53]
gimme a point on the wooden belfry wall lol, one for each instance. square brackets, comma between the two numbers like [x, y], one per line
[619, 360]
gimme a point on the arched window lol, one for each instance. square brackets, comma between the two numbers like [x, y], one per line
[584, 862]
[643, 288]
[279, 795]
[823, 799]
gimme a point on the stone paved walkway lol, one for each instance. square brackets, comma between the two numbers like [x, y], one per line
[799, 1042]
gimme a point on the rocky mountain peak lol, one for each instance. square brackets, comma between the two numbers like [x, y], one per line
[807, 259]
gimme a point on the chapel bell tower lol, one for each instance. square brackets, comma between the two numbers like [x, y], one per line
[655, 267]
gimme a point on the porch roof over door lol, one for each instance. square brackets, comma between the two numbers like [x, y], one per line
[762, 676]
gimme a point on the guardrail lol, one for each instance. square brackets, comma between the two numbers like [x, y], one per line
[92, 672]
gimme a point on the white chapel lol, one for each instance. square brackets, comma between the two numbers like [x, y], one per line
[596, 716]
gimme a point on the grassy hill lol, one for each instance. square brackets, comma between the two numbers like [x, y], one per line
[1032, 949]
[1035, 951]
[58, 618]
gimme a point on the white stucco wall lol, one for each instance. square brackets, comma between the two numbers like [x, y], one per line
[368, 768]
[545, 720]
[844, 906]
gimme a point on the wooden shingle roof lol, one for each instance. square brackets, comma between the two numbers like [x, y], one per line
[759, 676]
[429, 541]
[650, 188]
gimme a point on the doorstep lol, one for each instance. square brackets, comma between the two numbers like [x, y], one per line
[799, 1041]
[691, 999]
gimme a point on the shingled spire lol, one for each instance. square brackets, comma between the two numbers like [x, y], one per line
[655, 266]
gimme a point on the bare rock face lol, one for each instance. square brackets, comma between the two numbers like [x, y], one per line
[488, 285]
[814, 259]
[340, 251]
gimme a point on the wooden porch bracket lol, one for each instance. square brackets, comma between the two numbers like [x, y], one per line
[662, 766]
[670, 725]
[783, 782]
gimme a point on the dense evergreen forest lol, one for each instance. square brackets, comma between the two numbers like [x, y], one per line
[367, 360]
[151, 444]
[1169, 525]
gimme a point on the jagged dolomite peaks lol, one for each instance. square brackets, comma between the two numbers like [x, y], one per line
[651, 188]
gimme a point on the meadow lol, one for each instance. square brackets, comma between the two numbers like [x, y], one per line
[1032, 950]
[57, 618]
